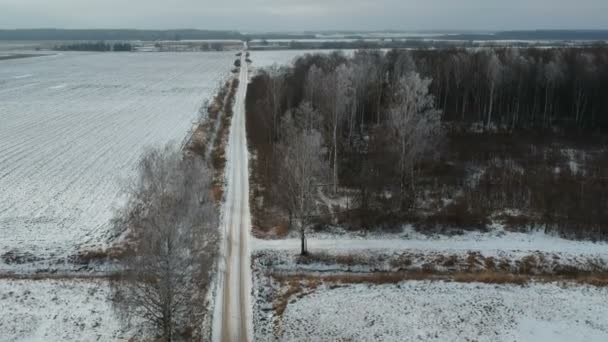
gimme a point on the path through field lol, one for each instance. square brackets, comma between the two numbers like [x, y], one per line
[232, 316]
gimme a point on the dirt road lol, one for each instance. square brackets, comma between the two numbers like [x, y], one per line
[232, 315]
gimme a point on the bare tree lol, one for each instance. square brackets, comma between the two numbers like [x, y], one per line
[172, 221]
[493, 73]
[302, 165]
[339, 97]
[415, 123]
[553, 75]
[276, 90]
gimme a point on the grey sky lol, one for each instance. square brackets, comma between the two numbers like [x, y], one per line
[306, 14]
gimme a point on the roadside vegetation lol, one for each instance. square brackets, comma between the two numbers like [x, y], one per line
[170, 225]
[210, 136]
[441, 139]
[172, 220]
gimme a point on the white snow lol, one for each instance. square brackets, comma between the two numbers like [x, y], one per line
[58, 310]
[264, 59]
[490, 243]
[232, 312]
[438, 311]
[72, 132]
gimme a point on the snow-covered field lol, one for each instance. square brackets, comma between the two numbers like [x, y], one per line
[72, 128]
[438, 311]
[263, 59]
[427, 310]
[58, 310]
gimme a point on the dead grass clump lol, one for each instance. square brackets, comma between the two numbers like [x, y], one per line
[330, 259]
[218, 158]
[528, 265]
[490, 263]
[218, 192]
[473, 261]
[401, 262]
[280, 303]
[282, 228]
[14, 257]
[450, 261]
[86, 257]
[490, 277]
[598, 280]
[504, 265]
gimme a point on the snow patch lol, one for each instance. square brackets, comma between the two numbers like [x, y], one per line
[438, 311]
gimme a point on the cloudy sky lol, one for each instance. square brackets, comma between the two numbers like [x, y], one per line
[261, 15]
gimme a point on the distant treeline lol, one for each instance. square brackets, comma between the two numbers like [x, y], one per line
[590, 35]
[191, 34]
[100, 35]
[95, 46]
[407, 44]
[146, 35]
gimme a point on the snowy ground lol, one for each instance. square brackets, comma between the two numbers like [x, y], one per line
[58, 310]
[263, 59]
[438, 311]
[495, 241]
[73, 128]
[425, 310]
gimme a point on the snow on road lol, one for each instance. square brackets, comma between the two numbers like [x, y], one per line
[439, 311]
[232, 313]
[72, 129]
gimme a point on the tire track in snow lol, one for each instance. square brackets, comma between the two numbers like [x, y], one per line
[232, 312]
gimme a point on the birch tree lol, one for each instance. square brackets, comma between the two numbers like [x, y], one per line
[493, 73]
[416, 125]
[302, 166]
[276, 91]
[340, 92]
[172, 222]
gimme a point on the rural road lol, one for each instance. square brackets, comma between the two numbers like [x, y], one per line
[232, 314]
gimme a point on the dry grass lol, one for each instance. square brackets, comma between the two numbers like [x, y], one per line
[490, 277]
[486, 277]
[267, 223]
[218, 192]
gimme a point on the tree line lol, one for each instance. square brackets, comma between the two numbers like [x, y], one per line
[517, 88]
[396, 136]
[95, 46]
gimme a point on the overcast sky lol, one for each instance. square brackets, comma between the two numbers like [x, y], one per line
[273, 15]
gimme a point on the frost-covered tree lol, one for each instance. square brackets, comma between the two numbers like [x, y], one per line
[493, 73]
[275, 88]
[171, 221]
[339, 96]
[416, 125]
[553, 74]
[302, 165]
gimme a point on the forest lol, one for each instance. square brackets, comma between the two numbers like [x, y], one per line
[95, 46]
[447, 139]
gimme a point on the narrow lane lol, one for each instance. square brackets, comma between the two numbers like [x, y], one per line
[232, 315]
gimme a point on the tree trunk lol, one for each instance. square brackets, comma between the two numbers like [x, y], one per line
[304, 249]
[490, 106]
[336, 153]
